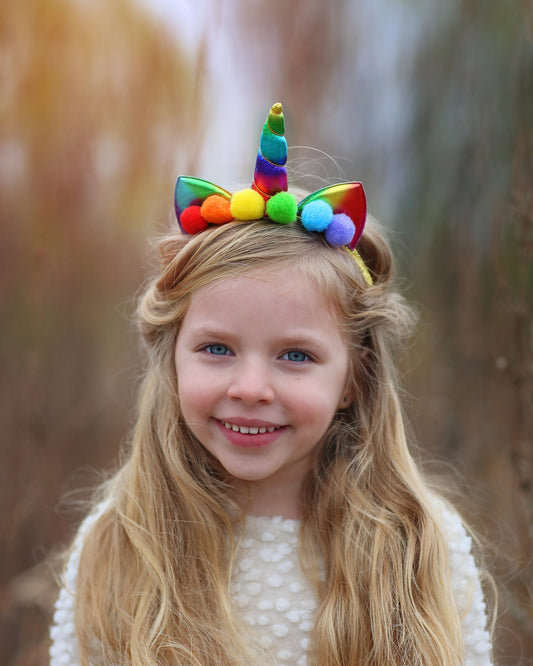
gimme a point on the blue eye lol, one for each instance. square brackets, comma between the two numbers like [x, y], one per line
[217, 350]
[295, 356]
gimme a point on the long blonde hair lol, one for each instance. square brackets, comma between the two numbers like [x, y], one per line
[155, 571]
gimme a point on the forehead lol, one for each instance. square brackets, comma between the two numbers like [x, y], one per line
[284, 296]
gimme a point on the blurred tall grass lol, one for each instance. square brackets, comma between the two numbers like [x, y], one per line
[97, 107]
[430, 104]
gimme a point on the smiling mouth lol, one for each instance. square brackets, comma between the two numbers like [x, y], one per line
[249, 430]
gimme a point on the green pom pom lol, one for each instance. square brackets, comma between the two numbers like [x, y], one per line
[282, 208]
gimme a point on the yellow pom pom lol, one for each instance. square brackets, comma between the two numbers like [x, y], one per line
[247, 205]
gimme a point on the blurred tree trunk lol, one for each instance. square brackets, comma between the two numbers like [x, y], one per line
[516, 291]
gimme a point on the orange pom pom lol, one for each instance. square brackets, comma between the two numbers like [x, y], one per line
[216, 210]
[192, 221]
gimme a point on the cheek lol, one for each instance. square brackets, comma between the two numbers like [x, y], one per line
[188, 390]
[317, 402]
[196, 392]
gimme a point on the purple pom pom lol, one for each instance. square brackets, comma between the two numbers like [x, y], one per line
[340, 231]
[316, 215]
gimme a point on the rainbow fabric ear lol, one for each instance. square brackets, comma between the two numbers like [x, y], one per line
[190, 193]
[345, 199]
[337, 211]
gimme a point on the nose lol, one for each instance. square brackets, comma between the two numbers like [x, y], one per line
[252, 383]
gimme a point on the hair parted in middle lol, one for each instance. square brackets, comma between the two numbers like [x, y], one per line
[171, 530]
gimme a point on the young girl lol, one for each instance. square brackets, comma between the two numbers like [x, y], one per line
[269, 510]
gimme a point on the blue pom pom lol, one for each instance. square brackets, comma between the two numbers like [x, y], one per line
[340, 231]
[316, 215]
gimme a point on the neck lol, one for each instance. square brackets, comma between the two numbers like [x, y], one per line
[269, 500]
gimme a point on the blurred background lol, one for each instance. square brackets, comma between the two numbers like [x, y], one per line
[103, 104]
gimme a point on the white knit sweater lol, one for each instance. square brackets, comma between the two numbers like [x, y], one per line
[275, 600]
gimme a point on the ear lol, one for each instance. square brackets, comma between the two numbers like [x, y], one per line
[347, 198]
[347, 397]
[193, 191]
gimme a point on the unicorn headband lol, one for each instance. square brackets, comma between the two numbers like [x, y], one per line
[337, 211]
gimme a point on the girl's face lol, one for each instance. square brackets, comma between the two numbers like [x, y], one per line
[262, 368]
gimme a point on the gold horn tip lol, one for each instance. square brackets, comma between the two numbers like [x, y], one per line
[276, 108]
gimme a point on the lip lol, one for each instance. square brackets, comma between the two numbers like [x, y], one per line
[250, 423]
[245, 440]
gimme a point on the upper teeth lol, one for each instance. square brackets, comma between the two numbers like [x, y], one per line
[247, 430]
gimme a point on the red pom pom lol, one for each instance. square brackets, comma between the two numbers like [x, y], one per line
[192, 221]
[216, 209]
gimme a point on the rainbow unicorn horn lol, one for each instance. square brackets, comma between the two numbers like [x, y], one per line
[270, 175]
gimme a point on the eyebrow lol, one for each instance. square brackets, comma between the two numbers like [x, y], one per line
[206, 331]
[292, 339]
[302, 340]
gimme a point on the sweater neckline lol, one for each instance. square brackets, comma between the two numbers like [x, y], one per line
[273, 520]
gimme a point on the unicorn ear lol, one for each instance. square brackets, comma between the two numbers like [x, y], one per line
[347, 198]
[193, 191]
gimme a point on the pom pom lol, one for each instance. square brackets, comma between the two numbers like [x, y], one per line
[282, 208]
[216, 210]
[316, 215]
[340, 231]
[192, 221]
[247, 205]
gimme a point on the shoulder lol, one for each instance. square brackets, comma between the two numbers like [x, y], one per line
[466, 586]
[63, 648]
